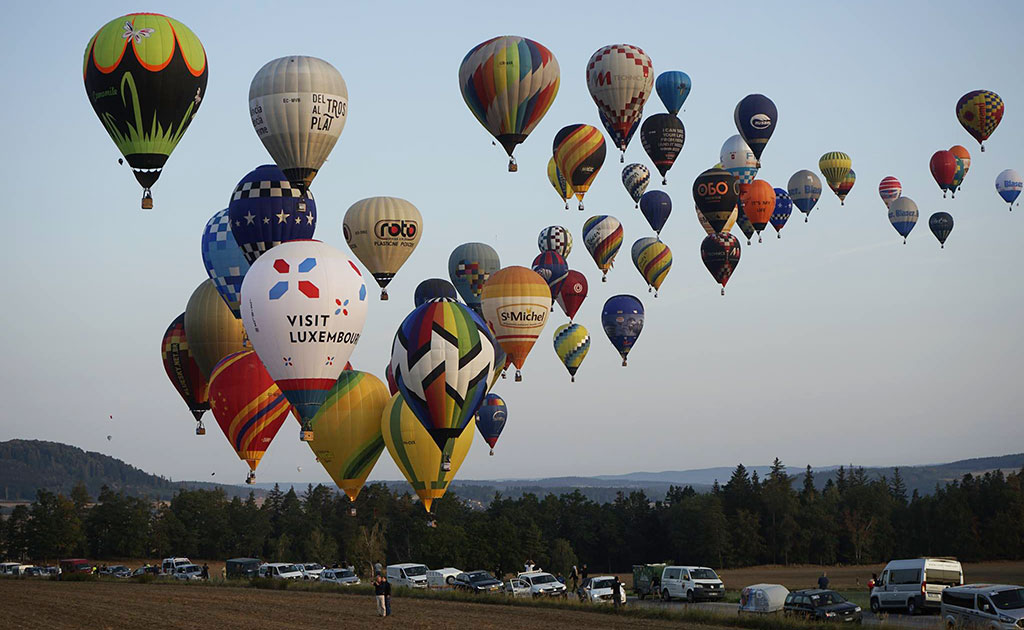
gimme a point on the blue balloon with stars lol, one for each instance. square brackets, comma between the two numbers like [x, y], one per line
[266, 210]
[224, 261]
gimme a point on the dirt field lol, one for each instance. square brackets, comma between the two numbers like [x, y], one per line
[52, 605]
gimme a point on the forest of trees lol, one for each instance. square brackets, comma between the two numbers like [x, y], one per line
[746, 521]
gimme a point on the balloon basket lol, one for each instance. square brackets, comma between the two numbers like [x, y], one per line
[572, 379]
[637, 206]
[200, 430]
[723, 290]
[649, 289]
[383, 295]
[664, 181]
[566, 205]
[581, 206]
[904, 240]
[806, 219]
[147, 200]
[759, 238]
[446, 465]
[519, 376]
[512, 166]
[250, 478]
[622, 158]
[655, 294]
[779, 235]
[942, 246]
[302, 204]
[604, 278]
[492, 452]
[351, 511]
[982, 148]
[306, 435]
[623, 363]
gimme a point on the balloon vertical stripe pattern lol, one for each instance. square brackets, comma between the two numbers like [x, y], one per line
[579, 152]
[602, 234]
[653, 259]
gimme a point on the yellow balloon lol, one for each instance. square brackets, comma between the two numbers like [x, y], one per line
[707, 226]
[416, 454]
[347, 439]
[561, 185]
[834, 165]
[212, 330]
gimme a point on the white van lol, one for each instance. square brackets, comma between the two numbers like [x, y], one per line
[169, 566]
[691, 584]
[915, 584]
[983, 606]
[408, 574]
[280, 571]
[442, 578]
[7, 568]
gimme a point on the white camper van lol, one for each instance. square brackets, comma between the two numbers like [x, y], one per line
[408, 574]
[916, 584]
[691, 584]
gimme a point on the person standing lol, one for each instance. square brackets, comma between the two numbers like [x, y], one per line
[617, 594]
[823, 581]
[574, 578]
[387, 596]
[379, 593]
[584, 573]
[206, 571]
[872, 582]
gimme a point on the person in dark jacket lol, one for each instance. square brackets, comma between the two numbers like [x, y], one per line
[823, 581]
[379, 594]
[206, 571]
[387, 596]
[617, 593]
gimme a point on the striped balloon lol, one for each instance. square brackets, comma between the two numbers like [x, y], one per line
[572, 342]
[442, 359]
[941, 224]
[509, 83]
[903, 216]
[558, 182]
[579, 152]
[602, 234]
[516, 302]
[834, 165]
[980, 112]
[653, 259]
[635, 178]
[346, 429]
[845, 186]
[248, 405]
[889, 189]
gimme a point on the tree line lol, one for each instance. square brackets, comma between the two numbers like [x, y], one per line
[780, 519]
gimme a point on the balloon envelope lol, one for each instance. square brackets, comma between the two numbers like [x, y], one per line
[382, 232]
[432, 289]
[572, 293]
[720, 253]
[572, 342]
[783, 209]
[267, 210]
[211, 328]
[602, 234]
[758, 202]
[737, 158]
[558, 182]
[551, 266]
[889, 189]
[620, 79]
[941, 224]
[673, 87]
[903, 216]
[663, 136]
[653, 259]
[804, 189]
[224, 261]
[491, 418]
[979, 112]
[469, 266]
[555, 238]
[188, 380]
[623, 320]
[1009, 185]
[579, 152]
[716, 193]
[756, 117]
[515, 304]
[635, 178]
[656, 206]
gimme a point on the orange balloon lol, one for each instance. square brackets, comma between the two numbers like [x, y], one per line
[516, 308]
[758, 203]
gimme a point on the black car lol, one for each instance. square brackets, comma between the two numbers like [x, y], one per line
[821, 605]
[477, 582]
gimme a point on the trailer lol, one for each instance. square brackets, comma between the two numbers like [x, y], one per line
[647, 578]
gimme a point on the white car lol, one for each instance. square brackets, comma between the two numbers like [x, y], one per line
[280, 571]
[188, 572]
[601, 590]
[339, 576]
[516, 588]
[169, 566]
[310, 570]
[542, 584]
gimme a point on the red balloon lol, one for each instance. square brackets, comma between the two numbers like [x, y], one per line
[943, 166]
[183, 370]
[572, 293]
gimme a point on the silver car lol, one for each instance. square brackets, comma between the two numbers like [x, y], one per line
[983, 607]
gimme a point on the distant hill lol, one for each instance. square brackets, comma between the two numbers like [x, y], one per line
[27, 465]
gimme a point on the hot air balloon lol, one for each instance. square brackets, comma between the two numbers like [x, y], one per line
[490, 420]
[834, 166]
[469, 267]
[389, 373]
[551, 266]
[889, 189]
[579, 152]
[516, 302]
[943, 168]
[298, 106]
[500, 361]
[432, 289]
[572, 293]
[211, 328]
[509, 83]
[382, 232]
[602, 234]
[559, 183]
[555, 238]
[620, 79]
[267, 210]
[427, 469]
[572, 342]
[745, 226]
[656, 206]
[755, 117]
[188, 380]
[653, 259]
[673, 87]
[716, 193]
[903, 216]
[304, 305]
[845, 186]
[248, 405]
[635, 178]
[729, 224]
[804, 189]
[346, 430]
[980, 112]
[758, 203]
[145, 75]
[1009, 185]
[663, 137]
[941, 224]
[442, 359]
[963, 165]
[720, 253]
[783, 208]
[224, 260]
[737, 158]
[623, 320]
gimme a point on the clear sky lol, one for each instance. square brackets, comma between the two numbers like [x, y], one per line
[835, 344]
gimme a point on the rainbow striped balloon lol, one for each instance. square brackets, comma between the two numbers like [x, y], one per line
[602, 234]
[579, 152]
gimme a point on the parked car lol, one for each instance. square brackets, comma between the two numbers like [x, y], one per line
[7, 568]
[170, 565]
[517, 588]
[763, 598]
[116, 570]
[442, 578]
[149, 569]
[647, 579]
[821, 605]
[339, 576]
[915, 584]
[242, 568]
[188, 572]
[280, 571]
[36, 572]
[983, 606]
[477, 582]
[310, 570]
[75, 565]
[408, 574]
[600, 590]
[542, 584]
[691, 583]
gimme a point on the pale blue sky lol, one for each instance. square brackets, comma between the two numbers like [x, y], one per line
[834, 344]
